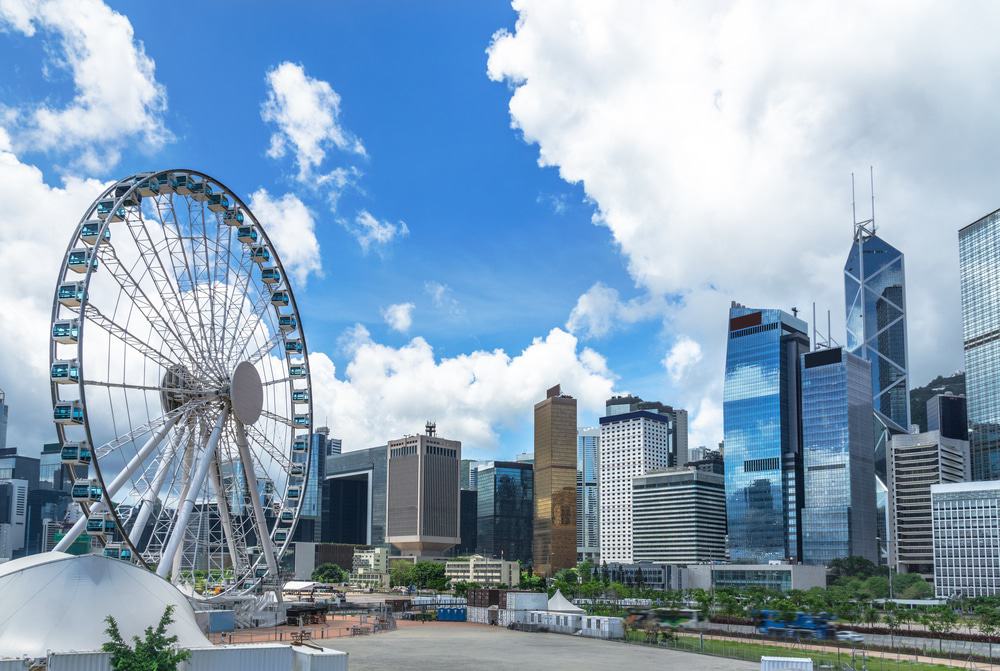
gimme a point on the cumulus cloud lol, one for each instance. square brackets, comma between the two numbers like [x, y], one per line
[600, 310]
[717, 142]
[387, 391]
[373, 233]
[116, 94]
[307, 114]
[292, 229]
[684, 354]
[399, 316]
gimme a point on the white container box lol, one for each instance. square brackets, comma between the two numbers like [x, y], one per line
[786, 664]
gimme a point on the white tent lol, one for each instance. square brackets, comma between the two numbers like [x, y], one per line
[56, 602]
[560, 604]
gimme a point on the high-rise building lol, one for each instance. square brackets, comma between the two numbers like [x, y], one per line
[468, 513]
[678, 422]
[310, 525]
[525, 457]
[13, 517]
[704, 459]
[762, 424]
[15, 466]
[979, 265]
[422, 513]
[948, 413]
[554, 527]
[469, 472]
[334, 446]
[505, 510]
[637, 437]
[966, 539]
[50, 467]
[354, 497]
[588, 518]
[679, 516]
[43, 504]
[838, 471]
[917, 461]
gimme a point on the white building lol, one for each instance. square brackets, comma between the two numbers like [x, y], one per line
[588, 518]
[370, 568]
[679, 516]
[966, 518]
[633, 442]
[13, 516]
[483, 570]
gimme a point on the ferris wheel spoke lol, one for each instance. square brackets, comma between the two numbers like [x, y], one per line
[248, 323]
[277, 418]
[141, 387]
[272, 450]
[93, 315]
[268, 345]
[152, 425]
[151, 495]
[279, 380]
[260, 522]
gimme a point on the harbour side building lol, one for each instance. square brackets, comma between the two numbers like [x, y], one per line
[554, 525]
[588, 519]
[679, 517]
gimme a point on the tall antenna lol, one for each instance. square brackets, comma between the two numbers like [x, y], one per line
[871, 174]
[863, 229]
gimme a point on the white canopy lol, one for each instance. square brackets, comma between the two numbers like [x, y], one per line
[560, 604]
[56, 602]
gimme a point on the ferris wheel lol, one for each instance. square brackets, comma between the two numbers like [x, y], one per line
[180, 384]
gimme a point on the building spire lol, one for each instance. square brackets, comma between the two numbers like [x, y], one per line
[866, 227]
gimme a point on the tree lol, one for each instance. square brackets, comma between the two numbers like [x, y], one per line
[892, 620]
[531, 582]
[853, 567]
[154, 652]
[940, 620]
[988, 623]
[429, 575]
[330, 572]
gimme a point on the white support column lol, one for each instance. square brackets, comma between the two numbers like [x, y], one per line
[151, 495]
[197, 432]
[263, 536]
[119, 480]
[196, 484]
[227, 522]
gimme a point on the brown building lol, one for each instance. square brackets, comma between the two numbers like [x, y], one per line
[554, 543]
[422, 516]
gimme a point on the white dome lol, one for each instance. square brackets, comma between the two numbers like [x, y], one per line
[56, 602]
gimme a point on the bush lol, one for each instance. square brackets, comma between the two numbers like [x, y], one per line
[155, 652]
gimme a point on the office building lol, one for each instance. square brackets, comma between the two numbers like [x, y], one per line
[679, 516]
[979, 266]
[423, 495]
[710, 461]
[838, 471]
[13, 517]
[775, 577]
[354, 497]
[966, 519]
[14, 466]
[370, 568]
[588, 518]
[554, 526]
[658, 576]
[50, 468]
[310, 525]
[918, 461]
[762, 425]
[948, 413]
[467, 521]
[505, 510]
[44, 505]
[637, 437]
[334, 446]
[484, 571]
[525, 458]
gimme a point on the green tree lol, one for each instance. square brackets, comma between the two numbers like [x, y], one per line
[892, 620]
[940, 621]
[705, 600]
[330, 573]
[402, 575]
[154, 652]
[853, 567]
[531, 582]
[429, 575]
[988, 623]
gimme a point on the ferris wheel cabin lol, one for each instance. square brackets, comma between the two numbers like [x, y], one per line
[100, 524]
[218, 202]
[199, 190]
[80, 258]
[118, 551]
[233, 217]
[297, 370]
[71, 294]
[180, 184]
[65, 372]
[68, 412]
[246, 234]
[300, 396]
[66, 331]
[270, 275]
[300, 446]
[90, 230]
[156, 186]
[279, 298]
[293, 346]
[104, 211]
[260, 254]
[86, 491]
[76, 454]
[301, 421]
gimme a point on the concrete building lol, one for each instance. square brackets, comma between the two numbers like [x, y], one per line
[370, 568]
[838, 470]
[637, 437]
[554, 527]
[354, 497]
[710, 461]
[588, 516]
[777, 577]
[422, 513]
[679, 517]
[15, 466]
[483, 570]
[652, 575]
[966, 527]
[13, 517]
[917, 462]
[505, 510]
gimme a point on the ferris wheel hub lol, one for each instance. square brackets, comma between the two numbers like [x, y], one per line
[246, 393]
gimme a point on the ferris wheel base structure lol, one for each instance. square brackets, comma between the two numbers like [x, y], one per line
[180, 384]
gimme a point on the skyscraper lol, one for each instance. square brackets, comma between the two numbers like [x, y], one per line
[762, 424]
[979, 266]
[310, 525]
[554, 543]
[838, 510]
[587, 496]
[354, 497]
[679, 516]
[637, 437]
[505, 510]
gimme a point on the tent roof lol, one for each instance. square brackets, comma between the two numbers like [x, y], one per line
[560, 604]
[56, 602]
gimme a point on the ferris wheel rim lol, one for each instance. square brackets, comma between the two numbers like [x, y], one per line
[133, 183]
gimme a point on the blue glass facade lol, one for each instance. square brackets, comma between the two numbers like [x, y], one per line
[588, 519]
[762, 434]
[838, 512]
[505, 510]
[979, 269]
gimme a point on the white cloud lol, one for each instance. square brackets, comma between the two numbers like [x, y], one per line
[399, 316]
[372, 233]
[388, 391]
[717, 141]
[292, 229]
[600, 310]
[307, 113]
[116, 94]
[442, 297]
[682, 356]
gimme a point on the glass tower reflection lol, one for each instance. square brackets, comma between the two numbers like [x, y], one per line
[763, 434]
[979, 269]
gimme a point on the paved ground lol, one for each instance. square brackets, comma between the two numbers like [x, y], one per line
[458, 647]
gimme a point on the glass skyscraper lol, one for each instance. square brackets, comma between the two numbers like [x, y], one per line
[979, 268]
[838, 508]
[762, 423]
[587, 500]
[505, 510]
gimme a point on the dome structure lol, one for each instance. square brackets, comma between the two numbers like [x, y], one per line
[56, 602]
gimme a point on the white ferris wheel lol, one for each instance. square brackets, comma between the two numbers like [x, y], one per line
[180, 384]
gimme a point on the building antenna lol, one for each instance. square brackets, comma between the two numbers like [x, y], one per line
[815, 336]
[871, 174]
[854, 209]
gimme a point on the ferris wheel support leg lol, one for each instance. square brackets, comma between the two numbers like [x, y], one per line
[197, 482]
[152, 494]
[120, 479]
[227, 522]
[263, 536]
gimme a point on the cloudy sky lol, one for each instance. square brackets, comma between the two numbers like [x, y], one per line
[477, 201]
